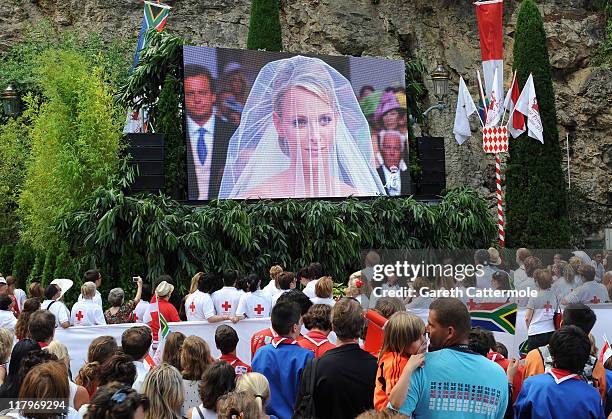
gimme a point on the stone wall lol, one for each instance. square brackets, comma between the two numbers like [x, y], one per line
[433, 30]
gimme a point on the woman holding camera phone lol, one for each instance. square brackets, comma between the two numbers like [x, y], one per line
[121, 312]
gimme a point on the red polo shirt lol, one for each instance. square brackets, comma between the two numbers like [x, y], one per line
[316, 342]
[239, 366]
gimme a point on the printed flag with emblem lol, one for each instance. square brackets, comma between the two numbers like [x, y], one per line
[155, 17]
[496, 317]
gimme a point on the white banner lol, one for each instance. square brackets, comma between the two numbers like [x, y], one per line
[77, 339]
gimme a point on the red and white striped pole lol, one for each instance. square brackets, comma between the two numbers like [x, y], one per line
[500, 207]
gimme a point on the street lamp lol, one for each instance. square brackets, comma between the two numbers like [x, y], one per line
[439, 77]
[10, 101]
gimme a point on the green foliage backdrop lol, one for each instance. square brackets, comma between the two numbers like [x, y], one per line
[264, 26]
[536, 194]
[150, 234]
[75, 139]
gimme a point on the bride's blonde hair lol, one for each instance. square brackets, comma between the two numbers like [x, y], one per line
[257, 386]
[312, 77]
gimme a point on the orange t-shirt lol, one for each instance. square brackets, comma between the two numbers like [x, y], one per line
[503, 362]
[388, 372]
[316, 342]
[534, 365]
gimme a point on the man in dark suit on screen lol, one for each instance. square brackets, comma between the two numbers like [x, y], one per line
[394, 173]
[207, 135]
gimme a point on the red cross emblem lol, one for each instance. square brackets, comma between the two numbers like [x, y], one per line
[79, 315]
[595, 300]
[258, 309]
[547, 306]
[135, 317]
[226, 306]
[192, 307]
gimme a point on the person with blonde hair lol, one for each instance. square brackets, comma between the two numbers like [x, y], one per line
[163, 386]
[564, 284]
[195, 360]
[302, 135]
[358, 288]
[6, 345]
[78, 394]
[272, 288]
[403, 344]
[324, 291]
[86, 312]
[256, 386]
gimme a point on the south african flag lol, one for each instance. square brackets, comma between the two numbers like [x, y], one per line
[496, 317]
[163, 326]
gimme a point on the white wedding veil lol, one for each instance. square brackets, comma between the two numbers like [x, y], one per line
[302, 134]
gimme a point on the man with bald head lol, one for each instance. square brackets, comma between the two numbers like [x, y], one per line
[394, 173]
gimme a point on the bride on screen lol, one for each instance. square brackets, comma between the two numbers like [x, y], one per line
[302, 134]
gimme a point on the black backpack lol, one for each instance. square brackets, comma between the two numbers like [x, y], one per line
[305, 406]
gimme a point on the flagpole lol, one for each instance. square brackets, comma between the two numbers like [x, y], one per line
[482, 96]
[510, 92]
[569, 180]
[500, 207]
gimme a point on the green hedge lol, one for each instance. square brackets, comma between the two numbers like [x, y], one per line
[151, 235]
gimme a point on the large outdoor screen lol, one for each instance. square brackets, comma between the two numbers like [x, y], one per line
[278, 125]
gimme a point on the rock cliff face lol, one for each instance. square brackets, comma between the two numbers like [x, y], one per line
[433, 30]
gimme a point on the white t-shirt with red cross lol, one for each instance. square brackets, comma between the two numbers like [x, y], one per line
[199, 306]
[86, 313]
[254, 305]
[590, 292]
[543, 306]
[139, 311]
[226, 301]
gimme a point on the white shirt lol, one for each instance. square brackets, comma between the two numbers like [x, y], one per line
[520, 276]
[226, 301]
[20, 296]
[528, 284]
[271, 289]
[7, 319]
[192, 395]
[318, 300]
[139, 311]
[277, 296]
[199, 306]
[256, 304]
[141, 373]
[309, 289]
[59, 310]
[86, 313]
[484, 281]
[544, 306]
[562, 288]
[591, 292]
[96, 299]
[202, 171]
[393, 182]
[208, 414]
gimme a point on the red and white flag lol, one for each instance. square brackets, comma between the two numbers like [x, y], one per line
[489, 14]
[516, 123]
[606, 351]
[495, 109]
[527, 104]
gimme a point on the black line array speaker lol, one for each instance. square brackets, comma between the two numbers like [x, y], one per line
[431, 158]
[147, 153]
